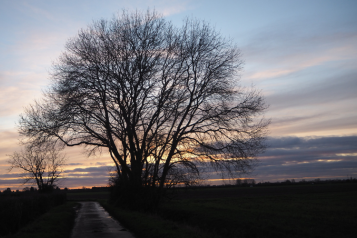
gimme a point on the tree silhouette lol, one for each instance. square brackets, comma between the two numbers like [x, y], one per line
[164, 101]
[42, 166]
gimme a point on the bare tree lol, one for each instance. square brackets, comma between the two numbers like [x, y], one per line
[160, 99]
[43, 167]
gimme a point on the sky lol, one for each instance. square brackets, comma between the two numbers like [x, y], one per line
[302, 56]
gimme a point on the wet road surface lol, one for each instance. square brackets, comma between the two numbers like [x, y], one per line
[93, 221]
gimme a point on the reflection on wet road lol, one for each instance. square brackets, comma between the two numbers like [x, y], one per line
[93, 221]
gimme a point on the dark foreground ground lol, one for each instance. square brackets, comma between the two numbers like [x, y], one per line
[264, 191]
[312, 210]
[309, 210]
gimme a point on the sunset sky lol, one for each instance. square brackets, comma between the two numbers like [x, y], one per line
[301, 54]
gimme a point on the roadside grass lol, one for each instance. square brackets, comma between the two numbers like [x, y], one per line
[144, 225]
[19, 209]
[56, 223]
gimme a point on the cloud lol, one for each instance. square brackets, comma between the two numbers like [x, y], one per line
[38, 12]
[74, 164]
[312, 170]
[307, 72]
[318, 122]
[318, 107]
[11, 176]
[285, 158]
[101, 171]
[288, 120]
[329, 90]
[301, 145]
[13, 184]
[14, 100]
[9, 143]
[347, 154]
[292, 42]
[308, 157]
[284, 55]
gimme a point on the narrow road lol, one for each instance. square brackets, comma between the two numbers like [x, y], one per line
[93, 221]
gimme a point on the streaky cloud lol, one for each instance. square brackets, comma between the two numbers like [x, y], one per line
[308, 157]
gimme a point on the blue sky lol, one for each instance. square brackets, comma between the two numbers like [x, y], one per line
[302, 55]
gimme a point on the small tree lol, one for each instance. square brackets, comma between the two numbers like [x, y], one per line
[40, 166]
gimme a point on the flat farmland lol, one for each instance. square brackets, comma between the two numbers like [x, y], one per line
[264, 191]
[311, 210]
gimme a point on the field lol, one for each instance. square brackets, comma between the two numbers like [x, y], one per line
[309, 210]
[326, 210]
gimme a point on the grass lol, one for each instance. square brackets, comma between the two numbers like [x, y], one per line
[19, 209]
[56, 223]
[153, 226]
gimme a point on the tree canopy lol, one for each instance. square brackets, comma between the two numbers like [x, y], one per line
[161, 99]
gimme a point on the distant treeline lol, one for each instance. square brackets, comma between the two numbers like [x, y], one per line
[57, 189]
[303, 181]
[93, 189]
[252, 182]
[18, 209]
